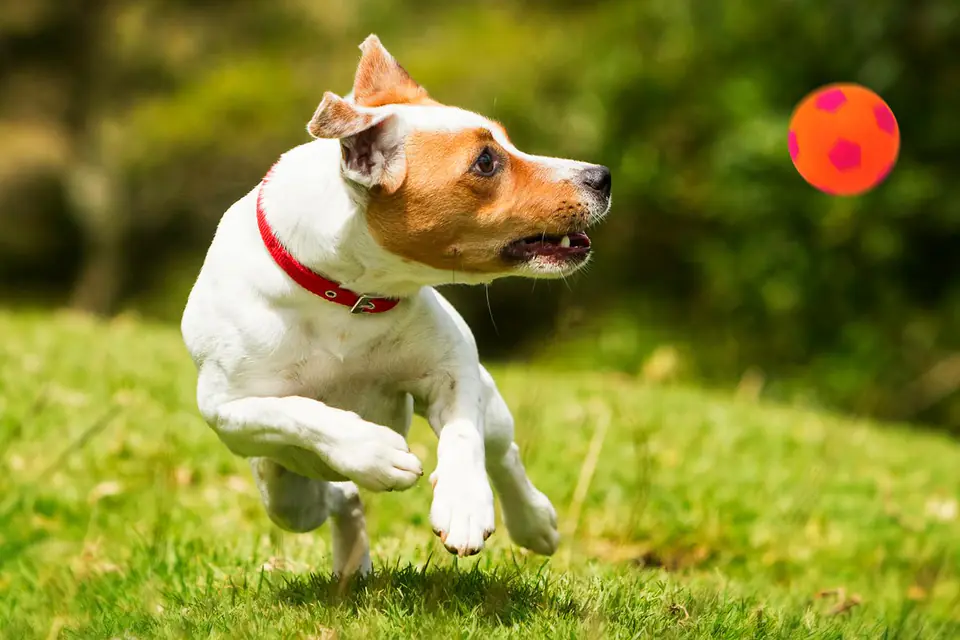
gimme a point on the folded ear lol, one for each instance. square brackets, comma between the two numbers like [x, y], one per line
[381, 80]
[371, 143]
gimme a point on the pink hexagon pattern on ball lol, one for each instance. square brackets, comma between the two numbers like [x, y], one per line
[793, 145]
[885, 119]
[845, 155]
[830, 100]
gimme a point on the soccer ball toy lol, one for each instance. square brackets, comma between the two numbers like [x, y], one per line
[843, 139]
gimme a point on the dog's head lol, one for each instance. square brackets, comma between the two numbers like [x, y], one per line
[446, 188]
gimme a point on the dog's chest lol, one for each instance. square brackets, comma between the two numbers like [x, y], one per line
[318, 355]
[348, 367]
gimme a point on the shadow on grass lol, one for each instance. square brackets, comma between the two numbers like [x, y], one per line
[500, 596]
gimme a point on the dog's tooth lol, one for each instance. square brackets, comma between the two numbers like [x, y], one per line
[565, 242]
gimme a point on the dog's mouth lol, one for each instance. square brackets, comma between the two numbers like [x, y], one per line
[570, 247]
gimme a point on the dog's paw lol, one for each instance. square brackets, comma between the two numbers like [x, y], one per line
[462, 513]
[532, 524]
[374, 457]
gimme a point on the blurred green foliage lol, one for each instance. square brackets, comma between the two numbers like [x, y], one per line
[173, 109]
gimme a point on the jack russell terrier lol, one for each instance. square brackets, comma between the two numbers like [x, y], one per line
[317, 333]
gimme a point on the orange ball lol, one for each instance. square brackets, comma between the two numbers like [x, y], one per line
[843, 139]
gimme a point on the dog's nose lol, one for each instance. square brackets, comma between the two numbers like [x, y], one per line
[597, 178]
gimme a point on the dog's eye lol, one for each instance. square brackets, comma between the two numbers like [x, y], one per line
[486, 164]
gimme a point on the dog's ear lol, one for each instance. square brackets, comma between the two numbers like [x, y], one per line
[371, 142]
[381, 80]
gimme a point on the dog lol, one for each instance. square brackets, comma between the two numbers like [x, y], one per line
[317, 333]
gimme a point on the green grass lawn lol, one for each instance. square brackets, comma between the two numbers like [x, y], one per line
[122, 516]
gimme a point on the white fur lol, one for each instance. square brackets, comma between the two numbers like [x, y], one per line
[320, 399]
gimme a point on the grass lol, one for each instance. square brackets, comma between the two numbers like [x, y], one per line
[121, 515]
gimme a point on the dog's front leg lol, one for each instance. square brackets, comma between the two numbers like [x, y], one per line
[462, 513]
[313, 440]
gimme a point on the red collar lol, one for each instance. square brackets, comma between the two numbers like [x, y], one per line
[310, 280]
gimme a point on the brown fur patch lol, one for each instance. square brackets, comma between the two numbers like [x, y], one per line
[381, 80]
[448, 218]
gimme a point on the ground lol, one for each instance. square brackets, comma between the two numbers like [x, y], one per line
[685, 514]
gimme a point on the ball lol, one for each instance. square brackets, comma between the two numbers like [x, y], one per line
[843, 139]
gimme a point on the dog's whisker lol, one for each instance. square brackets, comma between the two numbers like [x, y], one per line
[486, 289]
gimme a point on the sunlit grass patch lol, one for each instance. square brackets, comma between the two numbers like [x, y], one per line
[686, 514]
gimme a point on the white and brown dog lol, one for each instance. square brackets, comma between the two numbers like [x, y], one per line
[316, 331]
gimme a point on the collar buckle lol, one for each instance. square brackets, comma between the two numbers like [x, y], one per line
[363, 304]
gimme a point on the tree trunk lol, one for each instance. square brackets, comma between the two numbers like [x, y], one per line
[93, 179]
[98, 287]
[94, 197]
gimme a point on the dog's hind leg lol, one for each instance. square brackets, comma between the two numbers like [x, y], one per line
[293, 502]
[351, 546]
[299, 504]
[530, 517]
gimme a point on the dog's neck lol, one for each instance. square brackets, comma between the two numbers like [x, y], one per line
[319, 219]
